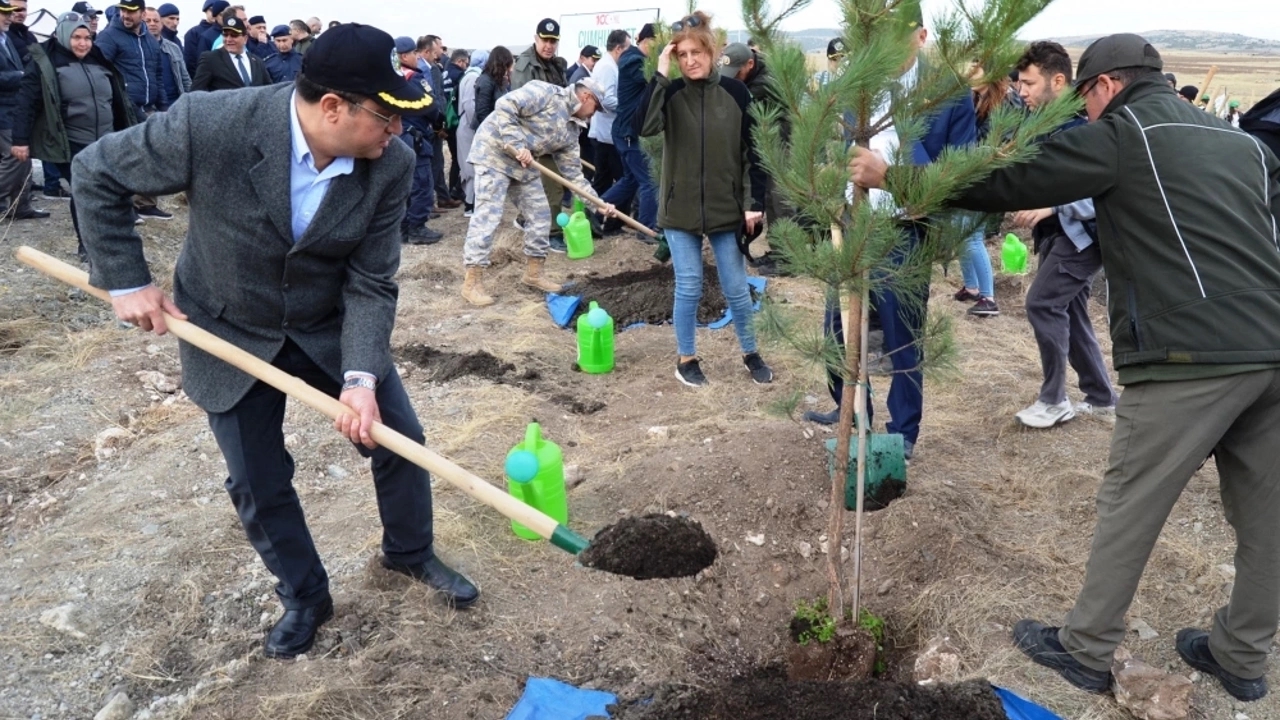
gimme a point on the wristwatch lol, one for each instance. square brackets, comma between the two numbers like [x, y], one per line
[359, 381]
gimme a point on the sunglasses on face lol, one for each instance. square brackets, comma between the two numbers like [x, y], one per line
[690, 21]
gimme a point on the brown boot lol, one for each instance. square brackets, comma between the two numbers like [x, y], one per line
[533, 276]
[473, 290]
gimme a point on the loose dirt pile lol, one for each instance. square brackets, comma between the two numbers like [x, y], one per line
[770, 697]
[652, 546]
[647, 296]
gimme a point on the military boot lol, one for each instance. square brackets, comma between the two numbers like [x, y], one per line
[473, 290]
[534, 279]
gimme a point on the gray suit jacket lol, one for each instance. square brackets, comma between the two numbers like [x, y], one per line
[240, 275]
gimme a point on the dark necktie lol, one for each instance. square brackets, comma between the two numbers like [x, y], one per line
[244, 73]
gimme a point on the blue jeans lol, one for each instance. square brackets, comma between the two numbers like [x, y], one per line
[635, 178]
[686, 258]
[51, 177]
[975, 266]
[422, 198]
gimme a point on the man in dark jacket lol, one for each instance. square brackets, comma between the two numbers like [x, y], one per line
[259, 40]
[285, 64]
[903, 317]
[22, 39]
[540, 62]
[1190, 252]
[430, 48]
[418, 133]
[587, 59]
[192, 43]
[636, 177]
[15, 190]
[231, 66]
[173, 69]
[127, 45]
[169, 19]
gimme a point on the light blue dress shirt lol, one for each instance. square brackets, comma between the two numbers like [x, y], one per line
[307, 185]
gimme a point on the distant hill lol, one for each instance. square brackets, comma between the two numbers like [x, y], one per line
[1194, 40]
[815, 40]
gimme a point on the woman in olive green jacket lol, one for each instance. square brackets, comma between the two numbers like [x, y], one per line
[706, 132]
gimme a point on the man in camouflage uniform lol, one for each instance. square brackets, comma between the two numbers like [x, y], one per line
[539, 61]
[537, 120]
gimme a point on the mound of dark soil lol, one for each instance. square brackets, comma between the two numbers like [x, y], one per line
[651, 546]
[442, 366]
[646, 296]
[770, 697]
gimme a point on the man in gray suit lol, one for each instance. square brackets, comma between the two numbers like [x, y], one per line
[293, 243]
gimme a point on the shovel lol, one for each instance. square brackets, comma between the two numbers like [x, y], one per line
[584, 194]
[542, 524]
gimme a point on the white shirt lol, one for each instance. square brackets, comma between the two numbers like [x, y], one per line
[606, 73]
[885, 142]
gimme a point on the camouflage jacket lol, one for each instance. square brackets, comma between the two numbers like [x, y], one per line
[537, 117]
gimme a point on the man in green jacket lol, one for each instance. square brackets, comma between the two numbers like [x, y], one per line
[1187, 209]
[540, 62]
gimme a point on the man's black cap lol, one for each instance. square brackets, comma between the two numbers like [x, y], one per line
[590, 51]
[1114, 52]
[548, 29]
[257, 20]
[1189, 92]
[234, 24]
[132, 5]
[356, 59]
[86, 9]
[647, 31]
[835, 49]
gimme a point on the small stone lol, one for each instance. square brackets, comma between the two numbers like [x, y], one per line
[885, 587]
[1198, 527]
[1147, 692]
[292, 440]
[1228, 570]
[805, 549]
[939, 663]
[63, 619]
[157, 381]
[659, 432]
[1241, 716]
[756, 540]
[119, 707]
[153, 349]
[150, 529]
[107, 442]
[573, 476]
[337, 472]
[1145, 631]
[808, 434]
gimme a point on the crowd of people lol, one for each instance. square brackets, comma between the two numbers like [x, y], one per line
[342, 160]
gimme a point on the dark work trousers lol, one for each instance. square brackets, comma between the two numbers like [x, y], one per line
[608, 166]
[455, 170]
[902, 320]
[439, 181]
[260, 482]
[51, 177]
[422, 198]
[1058, 310]
[64, 169]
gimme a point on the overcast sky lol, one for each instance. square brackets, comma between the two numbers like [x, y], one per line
[476, 23]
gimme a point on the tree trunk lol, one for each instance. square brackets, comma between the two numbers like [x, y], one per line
[844, 431]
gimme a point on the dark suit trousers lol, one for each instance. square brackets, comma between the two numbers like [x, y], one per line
[260, 482]
[422, 198]
[455, 170]
[15, 177]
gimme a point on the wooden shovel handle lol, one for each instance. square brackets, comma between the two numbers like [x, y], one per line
[586, 195]
[295, 388]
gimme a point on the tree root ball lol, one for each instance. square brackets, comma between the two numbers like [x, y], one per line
[650, 547]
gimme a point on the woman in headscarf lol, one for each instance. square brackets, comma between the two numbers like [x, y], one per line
[71, 98]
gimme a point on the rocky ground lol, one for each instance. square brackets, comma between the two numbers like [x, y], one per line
[127, 588]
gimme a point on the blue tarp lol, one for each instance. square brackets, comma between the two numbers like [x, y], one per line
[548, 699]
[563, 306]
[1020, 709]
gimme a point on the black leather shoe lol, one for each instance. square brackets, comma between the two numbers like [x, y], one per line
[1040, 643]
[31, 214]
[458, 591]
[295, 631]
[422, 236]
[1193, 646]
[829, 418]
